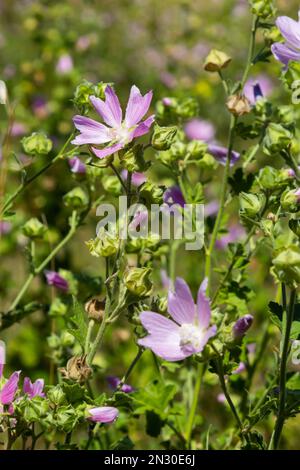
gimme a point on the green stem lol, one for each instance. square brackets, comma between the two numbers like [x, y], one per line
[132, 365]
[222, 202]
[44, 263]
[88, 336]
[289, 314]
[250, 51]
[192, 414]
[27, 182]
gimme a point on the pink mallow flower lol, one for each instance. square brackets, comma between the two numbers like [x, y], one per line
[199, 129]
[76, 165]
[117, 132]
[56, 280]
[9, 390]
[137, 178]
[103, 414]
[34, 389]
[114, 383]
[187, 332]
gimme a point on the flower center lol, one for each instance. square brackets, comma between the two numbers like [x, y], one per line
[190, 337]
[121, 134]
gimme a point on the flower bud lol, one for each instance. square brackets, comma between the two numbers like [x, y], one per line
[178, 151]
[36, 144]
[163, 137]
[152, 193]
[250, 204]
[208, 162]
[277, 138]
[56, 280]
[238, 105]
[86, 89]
[290, 200]
[106, 244]
[133, 159]
[58, 308]
[95, 309]
[34, 229]
[77, 198]
[286, 266]
[138, 282]
[241, 326]
[77, 369]
[268, 178]
[3, 92]
[67, 339]
[112, 185]
[216, 61]
[56, 395]
[196, 149]
[263, 8]
[188, 108]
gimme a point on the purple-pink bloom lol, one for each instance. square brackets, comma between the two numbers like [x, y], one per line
[76, 165]
[5, 227]
[139, 218]
[258, 87]
[9, 389]
[64, 64]
[56, 280]
[240, 368]
[235, 233]
[173, 195]
[137, 178]
[2, 357]
[187, 332]
[211, 208]
[117, 132]
[34, 389]
[220, 154]
[290, 49]
[114, 382]
[242, 325]
[103, 414]
[199, 129]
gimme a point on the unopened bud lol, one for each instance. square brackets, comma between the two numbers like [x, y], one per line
[95, 309]
[241, 326]
[290, 200]
[34, 229]
[37, 144]
[77, 198]
[216, 61]
[138, 282]
[238, 105]
[163, 137]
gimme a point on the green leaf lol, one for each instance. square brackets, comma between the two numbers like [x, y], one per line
[79, 321]
[155, 397]
[153, 424]
[123, 444]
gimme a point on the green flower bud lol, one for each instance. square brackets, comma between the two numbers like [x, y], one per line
[112, 185]
[133, 159]
[86, 89]
[36, 144]
[268, 178]
[188, 108]
[58, 308]
[267, 227]
[263, 8]
[53, 342]
[56, 395]
[178, 151]
[162, 304]
[286, 266]
[163, 137]
[166, 111]
[286, 115]
[138, 282]
[294, 225]
[106, 244]
[216, 61]
[152, 193]
[67, 339]
[250, 204]
[208, 162]
[77, 198]
[196, 149]
[290, 200]
[34, 229]
[277, 138]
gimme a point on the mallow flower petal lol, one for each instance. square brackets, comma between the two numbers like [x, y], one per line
[144, 127]
[9, 389]
[157, 324]
[92, 132]
[206, 337]
[137, 106]
[103, 414]
[107, 151]
[290, 30]
[203, 305]
[284, 53]
[110, 109]
[167, 348]
[181, 305]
